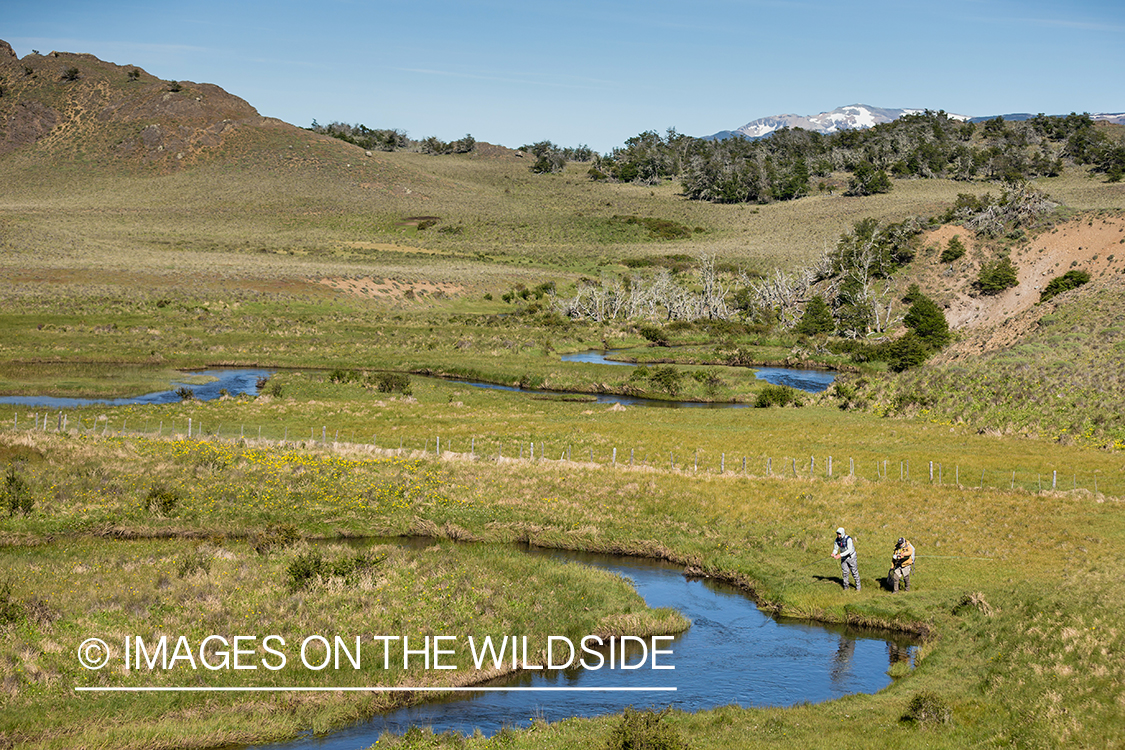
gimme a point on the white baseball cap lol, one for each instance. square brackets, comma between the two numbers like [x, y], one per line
[840, 531]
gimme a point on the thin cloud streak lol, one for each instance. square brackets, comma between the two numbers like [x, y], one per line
[1081, 25]
[500, 79]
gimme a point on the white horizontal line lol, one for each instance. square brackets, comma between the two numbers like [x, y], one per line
[368, 689]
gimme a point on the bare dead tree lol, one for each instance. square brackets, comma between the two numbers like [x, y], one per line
[782, 294]
[712, 299]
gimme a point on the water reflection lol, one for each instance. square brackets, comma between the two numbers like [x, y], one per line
[810, 381]
[842, 660]
[594, 357]
[234, 381]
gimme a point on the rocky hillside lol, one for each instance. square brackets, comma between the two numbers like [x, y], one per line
[67, 105]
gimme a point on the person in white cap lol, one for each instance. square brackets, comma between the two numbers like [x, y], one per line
[844, 551]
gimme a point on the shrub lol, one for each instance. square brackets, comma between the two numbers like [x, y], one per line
[341, 376]
[903, 353]
[391, 382]
[1066, 282]
[928, 322]
[71, 74]
[645, 730]
[867, 180]
[10, 609]
[998, 276]
[653, 333]
[927, 708]
[667, 378]
[658, 229]
[17, 493]
[710, 379]
[304, 569]
[193, 561]
[161, 500]
[913, 294]
[817, 318]
[275, 536]
[953, 250]
[311, 565]
[777, 395]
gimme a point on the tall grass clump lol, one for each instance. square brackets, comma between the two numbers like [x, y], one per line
[777, 395]
[390, 382]
[275, 536]
[645, 730]
[17, 494]
[927, 708]
[197, 560]
[10, 608]
[311, 566]
[162, 500]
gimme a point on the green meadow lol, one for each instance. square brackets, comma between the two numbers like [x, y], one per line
[304, 256]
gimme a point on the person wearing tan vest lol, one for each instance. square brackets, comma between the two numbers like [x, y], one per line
[901, 563]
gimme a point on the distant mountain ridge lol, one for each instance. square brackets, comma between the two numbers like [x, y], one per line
[857, 116]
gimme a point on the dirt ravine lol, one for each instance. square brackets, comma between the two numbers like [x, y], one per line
[994, 322]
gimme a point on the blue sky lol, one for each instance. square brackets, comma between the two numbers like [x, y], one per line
[600, 72]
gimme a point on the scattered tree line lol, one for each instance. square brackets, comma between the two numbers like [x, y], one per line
[391, 139]
[786, 164]
[791, 162]
[846, 300]
[550, 157]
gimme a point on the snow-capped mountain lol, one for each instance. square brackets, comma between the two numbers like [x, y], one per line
[851, 117]
[1115, 118]
[855, 116]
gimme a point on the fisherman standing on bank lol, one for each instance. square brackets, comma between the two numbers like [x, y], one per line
[844, 551]
[901, 562]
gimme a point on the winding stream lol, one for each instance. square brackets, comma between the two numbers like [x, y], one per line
[235, 381]
[811, 380]
[732, 654]
[238, 381]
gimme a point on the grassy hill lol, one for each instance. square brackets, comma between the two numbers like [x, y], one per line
[122, 187]
[135, 164]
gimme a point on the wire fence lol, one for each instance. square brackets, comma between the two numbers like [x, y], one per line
[825, 468]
